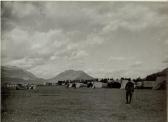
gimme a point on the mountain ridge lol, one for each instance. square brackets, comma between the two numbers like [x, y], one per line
[71, 75]
[153, 76]
[14, 74]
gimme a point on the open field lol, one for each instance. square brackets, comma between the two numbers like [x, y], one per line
[59, 104]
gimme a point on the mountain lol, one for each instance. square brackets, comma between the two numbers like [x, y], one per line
[153, 76]
[13, 74]
[71, 75]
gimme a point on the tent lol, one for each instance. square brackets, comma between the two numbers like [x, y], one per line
[123, 84]
[160, 83]
[148, 84]
[79, 85]
[99, 85]
[138, 85]
[69, 85]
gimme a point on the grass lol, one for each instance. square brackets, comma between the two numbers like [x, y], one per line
[59, 104]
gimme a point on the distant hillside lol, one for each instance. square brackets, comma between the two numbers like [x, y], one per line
[153, 76]
[14, 74]
[71, 75]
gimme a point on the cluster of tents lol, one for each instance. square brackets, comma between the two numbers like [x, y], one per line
[160, 83]
[20, 86]
[95, 83]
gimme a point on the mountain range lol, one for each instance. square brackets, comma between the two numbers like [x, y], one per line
[13, 74]
[17, 75]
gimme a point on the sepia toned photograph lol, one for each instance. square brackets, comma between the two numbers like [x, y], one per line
[76, 61]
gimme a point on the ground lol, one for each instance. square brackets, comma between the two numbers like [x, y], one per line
[59, 104]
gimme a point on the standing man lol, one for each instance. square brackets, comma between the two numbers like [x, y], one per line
[129, 91]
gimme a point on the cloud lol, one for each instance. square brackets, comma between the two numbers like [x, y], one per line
[26, 62]
[134, 20]
[137, 64]
[94, 40]
[77, 54]
[117, 58]
[88, 17]
[165, 61]
[28, 8]
[19, 43]
[166, 42]
[81, 53]
[21, 46]
[59, 35]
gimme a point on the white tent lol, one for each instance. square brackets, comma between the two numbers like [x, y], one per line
[123, 84]
[70, 85]
[138, 84]
[99, 85]
[78, 85]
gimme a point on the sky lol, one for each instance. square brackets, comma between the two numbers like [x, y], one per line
[104, 39]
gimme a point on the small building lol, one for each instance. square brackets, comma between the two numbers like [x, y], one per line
[148, 84]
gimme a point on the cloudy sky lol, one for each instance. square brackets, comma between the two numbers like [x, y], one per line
[104, 39]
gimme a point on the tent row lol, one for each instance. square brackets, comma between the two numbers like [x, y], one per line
[160, 83]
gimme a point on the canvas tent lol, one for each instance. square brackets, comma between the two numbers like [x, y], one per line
[160, 83]
[148, 84]
[99, 85]
[138, 85]
[123, 84]
[69, 85]
[78, 85]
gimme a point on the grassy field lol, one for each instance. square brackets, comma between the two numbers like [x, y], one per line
[59, 104]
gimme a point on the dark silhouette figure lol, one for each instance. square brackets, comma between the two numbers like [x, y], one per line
[129, 91]
[89, 85]
[74, 85]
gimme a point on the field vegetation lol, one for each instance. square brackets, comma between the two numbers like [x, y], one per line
[60, 104]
